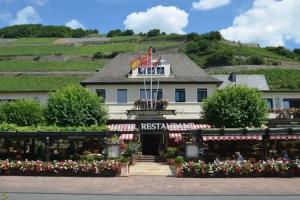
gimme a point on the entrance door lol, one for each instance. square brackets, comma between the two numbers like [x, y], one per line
[150, 144]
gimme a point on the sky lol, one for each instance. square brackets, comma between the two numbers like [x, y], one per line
[266, 22]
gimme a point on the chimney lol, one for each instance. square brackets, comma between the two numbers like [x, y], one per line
[232, 77]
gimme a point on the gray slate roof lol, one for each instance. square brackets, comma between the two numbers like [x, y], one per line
[182, 67]
[255, 81]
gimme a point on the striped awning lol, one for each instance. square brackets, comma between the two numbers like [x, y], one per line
[285, 137]
[186, 127]
[176, 136]
[126, 137]
[231, 137]
[121, 127]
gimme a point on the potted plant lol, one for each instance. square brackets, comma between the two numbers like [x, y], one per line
[132, 150]
[171, 154]
[113, 147]
[124, 164]
[179, 160]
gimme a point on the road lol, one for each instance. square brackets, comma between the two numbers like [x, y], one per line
[26, 196]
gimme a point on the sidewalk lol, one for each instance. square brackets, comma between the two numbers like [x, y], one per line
[152, 169]
[151, 185]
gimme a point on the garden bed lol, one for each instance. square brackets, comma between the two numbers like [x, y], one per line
[270, 168]
[102, 168]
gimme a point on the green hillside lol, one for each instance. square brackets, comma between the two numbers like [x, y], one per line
[82, 55]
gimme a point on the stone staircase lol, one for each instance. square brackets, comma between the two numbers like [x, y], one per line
[151, 158]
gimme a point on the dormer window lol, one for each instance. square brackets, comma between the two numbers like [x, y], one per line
[160, 70]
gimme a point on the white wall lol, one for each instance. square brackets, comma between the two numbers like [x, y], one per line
[279, 96]
[187, 110]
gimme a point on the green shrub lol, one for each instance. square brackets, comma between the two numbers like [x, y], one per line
[75, 106]
[132, 148]
[91, 158]
[179, 160]
[171, 152]
[199, 47]
[256, 60]
[235, 107]
[23, 112]
[153, 32]
[124, 160]
[219, 58]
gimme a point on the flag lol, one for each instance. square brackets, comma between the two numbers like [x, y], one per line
[135, 63]
[158, 62]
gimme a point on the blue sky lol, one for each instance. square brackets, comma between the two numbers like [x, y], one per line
[169, 15]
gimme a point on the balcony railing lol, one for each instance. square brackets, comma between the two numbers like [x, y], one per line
[146, 104]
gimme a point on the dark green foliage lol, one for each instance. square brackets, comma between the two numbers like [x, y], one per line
[212, 36]
[192, 37]
[199, 47]
[179, 160]
[23, 112]
[280, 50]
[118, 32]
[297, 51]
[256, 60]
[99, 55]
[75, 106]
[235, 107]
[39, 30]
[219, 58]
[127, 32]
[153, 32]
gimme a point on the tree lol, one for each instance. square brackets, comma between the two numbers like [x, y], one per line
[23, 112]
[219, 58]
[114, 33]
[235, 107]
[212, 36]
[153, 32]
[192, 36]
[199, 47]
[75, 106]
[256, 60]
[297, 51]
[127, 32]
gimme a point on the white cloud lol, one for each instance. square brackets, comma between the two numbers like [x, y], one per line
[37, 2]
[268, 22]
[168, 19]
[74, 24]
[27, 15]
[209, 4]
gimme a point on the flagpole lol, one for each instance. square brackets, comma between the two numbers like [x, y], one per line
[145, 88]
[151, 95]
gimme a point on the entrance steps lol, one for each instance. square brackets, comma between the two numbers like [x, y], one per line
[151, 158]
[151, 169]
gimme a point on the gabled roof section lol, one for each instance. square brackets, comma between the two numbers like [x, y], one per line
[258, 82]
[183, 69]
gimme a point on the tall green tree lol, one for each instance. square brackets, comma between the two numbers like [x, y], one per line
[75, 106]
[235, 107]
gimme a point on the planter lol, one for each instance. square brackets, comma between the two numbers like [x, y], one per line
[171, 161]
[124, 170]
[178, 170]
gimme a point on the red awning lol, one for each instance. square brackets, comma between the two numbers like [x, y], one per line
[121, 127]
[186, 127]
[126, 137]
[176, 136]
[232, 137]
[285, 137]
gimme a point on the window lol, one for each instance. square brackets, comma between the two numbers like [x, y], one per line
[149, 70]
[143, 96]
[201, 94]
[269, 103]
[286, 103]
[141, 71]
[101, 93]
[122, 96]
[179, 95]
[160, 70]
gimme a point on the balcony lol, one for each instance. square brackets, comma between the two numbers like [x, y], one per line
[146, 105]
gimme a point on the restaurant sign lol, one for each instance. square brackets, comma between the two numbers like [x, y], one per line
[161, 126]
